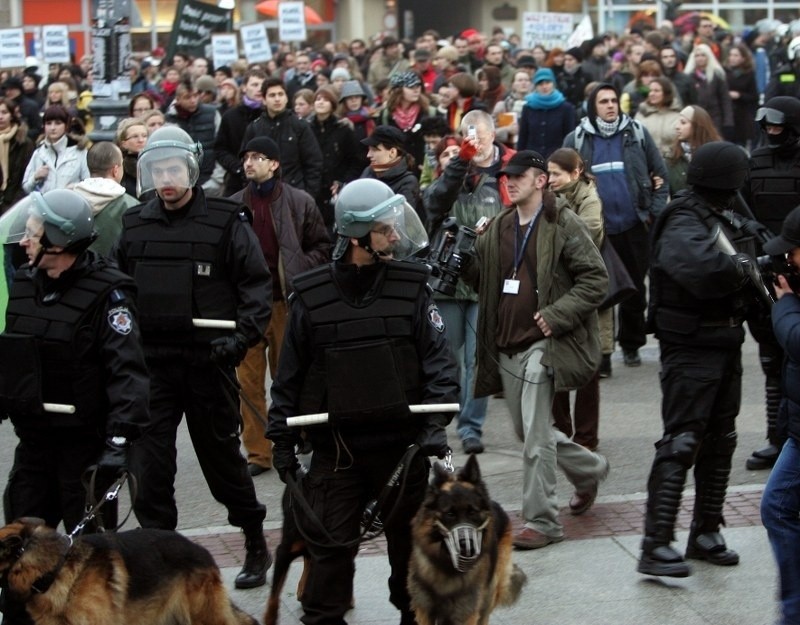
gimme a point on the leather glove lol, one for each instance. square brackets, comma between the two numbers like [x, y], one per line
[432, 440]
[748, 271]
[284, 460]
[114, 459]
[467, 151]
[229, 350]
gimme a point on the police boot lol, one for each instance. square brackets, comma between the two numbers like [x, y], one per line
[257, 560]
[711, 478]
[663, 501]
[765, 457]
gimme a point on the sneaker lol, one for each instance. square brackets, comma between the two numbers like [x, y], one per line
[472, 445]
[605, 366]
[631, 357]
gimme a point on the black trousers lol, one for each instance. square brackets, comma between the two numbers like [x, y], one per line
[45, 479]
[177, 388]
[338, 498]
[633, 247]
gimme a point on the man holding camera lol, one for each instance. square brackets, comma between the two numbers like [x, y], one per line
[780, 504]
[772, 191]
[541, 279]
[468, 190]
[699, 297]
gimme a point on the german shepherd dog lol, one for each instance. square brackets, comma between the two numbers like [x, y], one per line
[140, 577]
[461, 567]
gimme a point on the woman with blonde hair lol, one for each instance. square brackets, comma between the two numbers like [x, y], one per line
[131, 138]
[711, 85]
[693, 129]
[573, 185]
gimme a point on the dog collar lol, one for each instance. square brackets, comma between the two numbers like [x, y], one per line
[42, 584]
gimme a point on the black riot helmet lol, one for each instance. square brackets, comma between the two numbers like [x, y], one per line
[718, 165]
[783, 111]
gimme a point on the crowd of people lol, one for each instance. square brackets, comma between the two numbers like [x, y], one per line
[255, 214]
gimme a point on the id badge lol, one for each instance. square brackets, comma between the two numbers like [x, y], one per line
[511, 287]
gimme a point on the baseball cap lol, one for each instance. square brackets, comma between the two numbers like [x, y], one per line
[522, 161]
[789, 237]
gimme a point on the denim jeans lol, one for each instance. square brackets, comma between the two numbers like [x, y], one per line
[461, 321]
[780, 513]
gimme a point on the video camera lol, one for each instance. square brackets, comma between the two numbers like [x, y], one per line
[451, 248]
[771, 266]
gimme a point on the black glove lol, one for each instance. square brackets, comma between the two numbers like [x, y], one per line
[229, 350]
[432, 440]
[114, 459]
[284, 460]
[748, 271]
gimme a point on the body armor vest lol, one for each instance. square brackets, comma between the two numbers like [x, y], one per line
[180, 271]
[62, 328]
[774, 186]
[365, 359]
[674, 313]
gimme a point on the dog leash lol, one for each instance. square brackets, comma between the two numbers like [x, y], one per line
[398, 475]
[112, 493]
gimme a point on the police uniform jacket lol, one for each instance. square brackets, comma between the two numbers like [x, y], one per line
[84, 328]
[697, 294]
[786, 324]
[213, 246]
[397, 306]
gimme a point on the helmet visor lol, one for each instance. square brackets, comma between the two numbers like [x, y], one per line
[400, 232]
[774, 117]
[166, 167]
[14, 223]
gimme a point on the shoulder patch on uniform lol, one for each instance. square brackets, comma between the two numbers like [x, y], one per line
[435, 318]
[120, 320]
[116, 296]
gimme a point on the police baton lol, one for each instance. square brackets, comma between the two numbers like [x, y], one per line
[214, 324]
[58, 408]
[322, 417]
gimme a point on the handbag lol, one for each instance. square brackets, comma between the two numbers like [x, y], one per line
[620, 285]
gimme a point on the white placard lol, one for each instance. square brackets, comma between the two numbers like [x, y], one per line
[255, 43]
[224, 49]
[551, 30]
[12, 47]
[55, 44]
[292, 21]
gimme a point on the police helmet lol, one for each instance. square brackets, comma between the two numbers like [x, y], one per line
[793, 49]
[166, 143]
[718, 165]
[367, 203]
[67, 218]
[780, 111]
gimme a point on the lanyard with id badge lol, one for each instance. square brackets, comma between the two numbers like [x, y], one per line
[511, 285]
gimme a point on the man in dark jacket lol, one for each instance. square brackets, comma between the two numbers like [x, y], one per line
[364, 341]
[699, 297]
[232, 128]
[28, 108]
[301, 158]
[780, 511]
[204, 298]
[293, 238]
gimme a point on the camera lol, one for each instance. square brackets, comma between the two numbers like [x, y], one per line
[771, 266]
[452, 246]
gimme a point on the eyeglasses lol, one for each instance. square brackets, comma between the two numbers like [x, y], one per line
[258, 158]
[33, 235]
[387, 230]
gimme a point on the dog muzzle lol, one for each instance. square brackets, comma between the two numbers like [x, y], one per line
[463, 543]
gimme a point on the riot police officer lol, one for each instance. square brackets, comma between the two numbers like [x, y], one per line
[699, 297]
[73, 378]
[363, 342]
[204, 298]
[772, 192]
